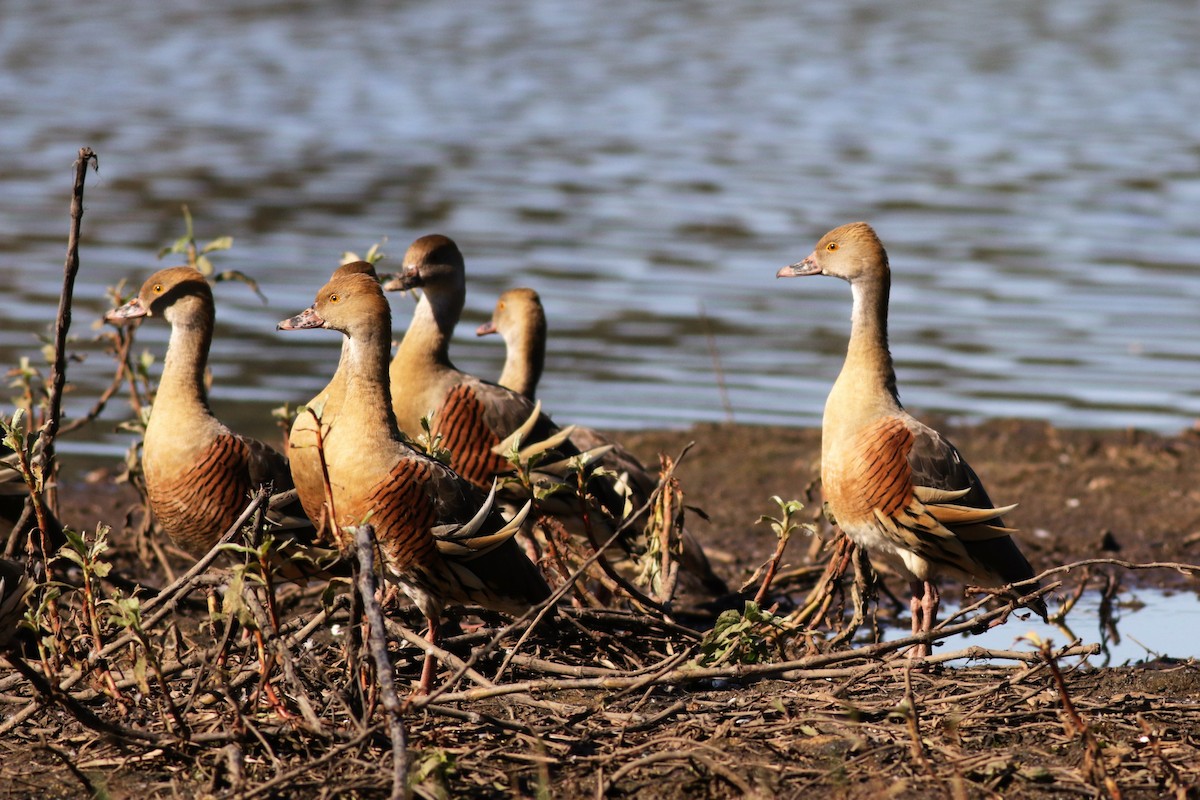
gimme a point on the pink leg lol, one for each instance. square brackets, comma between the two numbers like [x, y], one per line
[430, 661]
[915, 605]
[924, 607]
[933, 601]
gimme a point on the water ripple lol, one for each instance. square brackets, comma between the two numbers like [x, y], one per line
[647, 167]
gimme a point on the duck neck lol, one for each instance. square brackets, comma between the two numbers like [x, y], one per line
[433, 323]
[363, 372]
[181, 387]
[525, 360]
[868, 376]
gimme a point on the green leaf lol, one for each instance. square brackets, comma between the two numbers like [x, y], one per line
[238, 275]
[76, 540]
[329, 593]
[316, 407]
[740, 637]
[139, 673]
[220, 243]
[239, 549]
[285, 413]
[125, 612]
[180, 245]
[374, 255]
[187, 222]
[233, 605]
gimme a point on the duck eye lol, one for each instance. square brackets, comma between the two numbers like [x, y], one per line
[158, 288]
[831, 246]
[333, 298]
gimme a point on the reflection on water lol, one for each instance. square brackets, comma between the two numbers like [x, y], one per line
[636, 163]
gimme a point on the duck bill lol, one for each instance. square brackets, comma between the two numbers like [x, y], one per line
[408, 278]
[131, 310]
[801, 268]
[486, 328]
[308, 318]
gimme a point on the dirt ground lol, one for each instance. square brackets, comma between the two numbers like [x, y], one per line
[1082, 494]
[623, 705]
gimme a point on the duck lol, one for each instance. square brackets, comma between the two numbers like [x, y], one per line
[472, 416]
[199, 474]
[895, 486]
[304, 437]
[519, 318]
[477, 421]
[441, 539]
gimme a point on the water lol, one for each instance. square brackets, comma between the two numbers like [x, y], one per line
[1032, 167]
[1150, 623]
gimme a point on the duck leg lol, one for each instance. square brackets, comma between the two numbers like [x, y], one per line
[924, 607]
[430, 660]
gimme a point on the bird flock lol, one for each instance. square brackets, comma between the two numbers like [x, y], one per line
[459, 476]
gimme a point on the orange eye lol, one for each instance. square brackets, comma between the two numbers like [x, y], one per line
[158, 288]
[831, 246]
[333, 298]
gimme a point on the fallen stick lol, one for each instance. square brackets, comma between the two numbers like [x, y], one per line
[364, 542]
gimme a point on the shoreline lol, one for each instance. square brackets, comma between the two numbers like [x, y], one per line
[1127, 494]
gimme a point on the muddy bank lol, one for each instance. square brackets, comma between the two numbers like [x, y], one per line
[1083, 494]
[602, 704]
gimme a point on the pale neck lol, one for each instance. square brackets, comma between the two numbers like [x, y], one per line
[433, 323]
[181, 386]
[363, 371]
[868, 360]
[524, 361]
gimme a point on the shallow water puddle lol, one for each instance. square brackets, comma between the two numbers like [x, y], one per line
[1149, 623]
